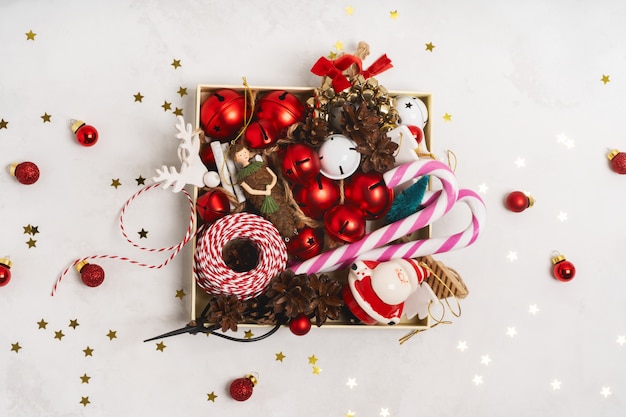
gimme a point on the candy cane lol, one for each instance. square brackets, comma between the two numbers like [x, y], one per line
[336, 258]
[432, 246]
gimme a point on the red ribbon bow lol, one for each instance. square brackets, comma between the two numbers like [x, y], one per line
[335, 68]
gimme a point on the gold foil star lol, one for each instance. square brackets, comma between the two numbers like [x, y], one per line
[30, 35]
[59, 335]
[74, 324]
[349, 10]
[166, 106]
[180, 294]
[15, 347]
[394, 14]
[160, 346]
[31, 243]
[34, 230]
[46, 117]
[115, 182]
[447, 117]
[3, 124]
[248, 334]
[430, 46]
[211, 396]
[339, 46]
[316, 370]
[175, 63]
[141, 180]
[280, 356]
[84, 401]
[178, 112]
[143, 234]
[312, 360]
[85, 379]
[138, 97]
[42, 324]
[605, 79]
[112, 334]
[28, 229]
[332, 55]
[182, 91]
[88, 351]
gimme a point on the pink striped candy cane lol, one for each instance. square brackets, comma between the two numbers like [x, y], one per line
[436, 208]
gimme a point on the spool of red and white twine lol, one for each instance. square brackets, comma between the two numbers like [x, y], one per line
[212, 273]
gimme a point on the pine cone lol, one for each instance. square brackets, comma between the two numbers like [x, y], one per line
[314, 130]
[290, 294]
[359, 124]
[258, 310]
[227, 311]
[378, 153]
[328, 301]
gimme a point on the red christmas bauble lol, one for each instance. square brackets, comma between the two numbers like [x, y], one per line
[317, 196]
[91, 274]
[563, 270]
[300, 325]
[517, 201]
[300, 163]
[207, 157]
[417, 133]
[369, 193]
[261, 134]
[618, 161]
[280, 106]
[223, 114]
[306, 244]
[345, 223]
[86, 135]
[212, 205]
[25, 172]
[5, 271]
[241, 388]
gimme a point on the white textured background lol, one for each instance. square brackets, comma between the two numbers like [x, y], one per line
[522, 82]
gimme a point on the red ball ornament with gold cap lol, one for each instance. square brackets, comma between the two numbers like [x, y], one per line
[300, 325]
[518, 201]
[618, 161]
[92, 275]
[86, 135]
[26, 173]
[5, 271]
[563, 270]
[241, 388]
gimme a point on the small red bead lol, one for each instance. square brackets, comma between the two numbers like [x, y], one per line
[25, 172]
[517, 201]
[241, 389]
[300, 325]
[92, 275]
[564, 271]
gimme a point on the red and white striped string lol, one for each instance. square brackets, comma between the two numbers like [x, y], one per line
[175, 248]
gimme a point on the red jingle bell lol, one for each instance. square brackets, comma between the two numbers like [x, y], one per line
[223, 114]
[369, 192]
[618, 161]
[25, 172]
[300, 325]
[5, 271]
[207, 157]
[212, 205]
[300, 163]
[517, 201]
[345, 223]
[241, 388]
[86, 135]
[261, 134]
[91, 274]
[280, 106]
[307, 243]
[564, 270]
[319, 195]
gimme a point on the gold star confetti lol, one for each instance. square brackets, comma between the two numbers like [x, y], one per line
[34, 230]
[115, 182]
[447, 117]
[88, 351]
[182, 91]
[180, 294]
[30, 35]
[74, 324]
[394, 14]
[31, 243]
[339, 46]
[175, 63]
[15, 347]
[280, 356]
[211, 396]
[112, 334]
[316, 370]
[138, 97]
[605, 79]
[59, 334]
[46, 117]
[166, 106]
[160, 346]
[84, 379]
[140, 180]
[430, 46]
[28, 229]
[3, 124]
[178, 112]
[143, 234]
[332, 55]
[84, 401]
[248, 334]
[312, 360]
[349, 10]
[42, 324]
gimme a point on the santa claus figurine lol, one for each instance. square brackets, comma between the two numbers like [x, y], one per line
[381, 292]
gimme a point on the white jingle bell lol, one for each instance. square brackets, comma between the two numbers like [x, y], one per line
[411, 111]
[339, 157]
